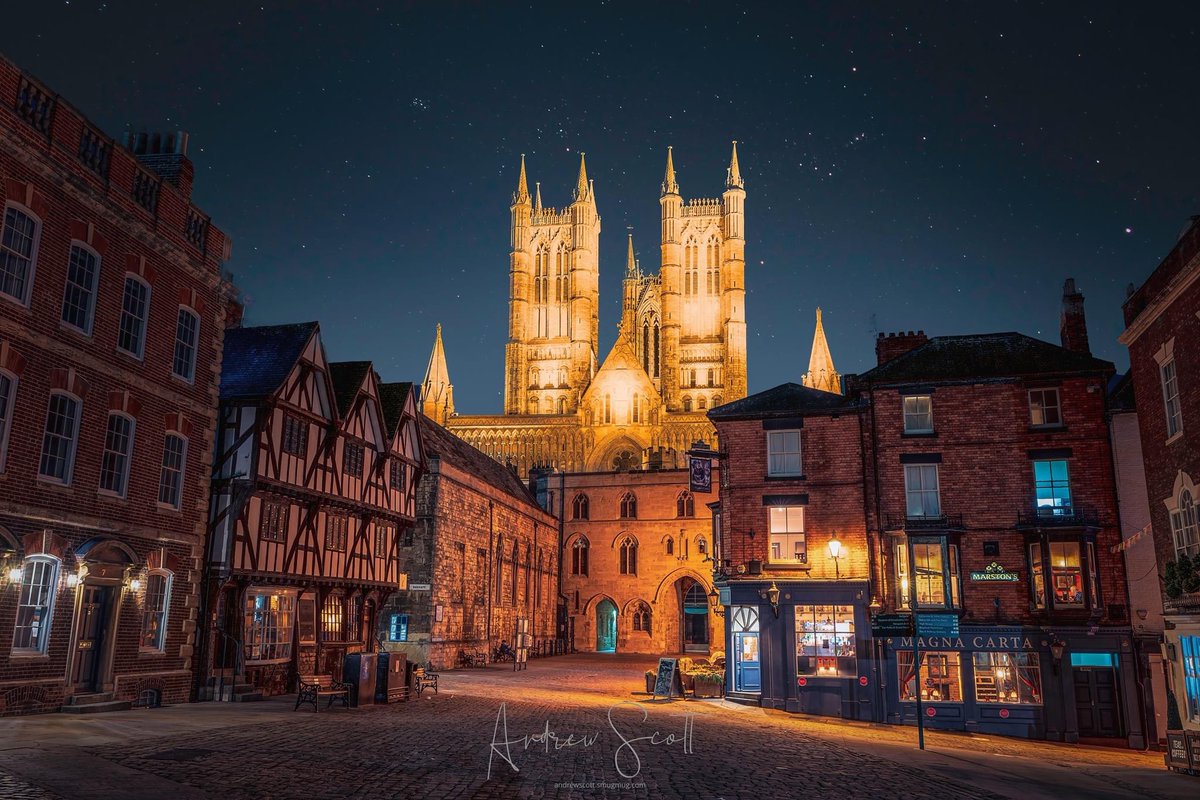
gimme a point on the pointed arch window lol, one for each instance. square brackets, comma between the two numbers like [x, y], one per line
[579, 557]
[685, 505]
[670, 546]
[580, 507]
[499, 578]
[562, 405]
[646, 347]
[533, 405]
[629, 550]
[607, 409]
[629, 506]
[560, 274]
[657, 352]
[641, 618]
[515, 566]
[637, 408]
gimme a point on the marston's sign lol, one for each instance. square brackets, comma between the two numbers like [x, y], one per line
[994, 572]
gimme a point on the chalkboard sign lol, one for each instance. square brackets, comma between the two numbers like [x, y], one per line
[668, 683]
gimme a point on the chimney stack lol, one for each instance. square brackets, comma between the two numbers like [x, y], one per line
[893, 345]
[166, 155]
[1072, 326]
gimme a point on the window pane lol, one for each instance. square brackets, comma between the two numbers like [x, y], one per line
[930, 574]
[825, 643]
[16, 253]
[58, 444]
[186, 329]
[1066, 574]
[154, 615]
[268, 625]
[7, 385]
[918, 413]
[114, 463]
[903, 587]
[1052, 487]
[921, 482]
[134, 308]
[35, 605]
[1009, 678]
[783, 453]
[170, 486]
[940, 679]
[79, 297]
[1037, 575]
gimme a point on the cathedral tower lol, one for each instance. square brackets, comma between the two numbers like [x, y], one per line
[553, 300]
[733, 280]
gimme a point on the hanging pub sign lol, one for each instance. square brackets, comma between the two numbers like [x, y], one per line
[994, 572]
[700, 474]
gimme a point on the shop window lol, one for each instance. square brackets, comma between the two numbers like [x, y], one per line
[35, 605]
[1052, 487]
[154, 612]
[935, 579]
[783, 453]
[918, 413]
[1044, 408]
[788, 545]
[1063, 574]
[921, 490]
[940, 679]
[333, 619]
[270, 618]
[1009, 678]
[1189, 647]
[825, 644]
[398, 628]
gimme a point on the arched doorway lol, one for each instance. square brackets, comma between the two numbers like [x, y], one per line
[103, 564]
[606, 627]
[694, 622]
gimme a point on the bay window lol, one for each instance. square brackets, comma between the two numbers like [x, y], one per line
[825, 644]
[787, 535]
[1063, 574]
[940, 680]
[933, 575]
[1009, 678]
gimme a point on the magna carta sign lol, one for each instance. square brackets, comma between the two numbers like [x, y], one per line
[994, 572]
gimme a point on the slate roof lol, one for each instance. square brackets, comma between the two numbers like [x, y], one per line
[392, 397]
[441, 443]
[788, 399]
[347, 377]
[982, 357]
[257, 360]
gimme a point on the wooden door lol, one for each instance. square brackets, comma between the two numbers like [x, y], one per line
[1097, 702]
[89, 648]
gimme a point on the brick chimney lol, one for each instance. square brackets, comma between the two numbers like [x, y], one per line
[166, 155]
[893, 345]
[1072, 326]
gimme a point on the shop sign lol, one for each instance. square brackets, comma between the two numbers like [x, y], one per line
[700, 475]
[419, 587]
[937, 625]
[1177, 750]
[995, 572]
[978, 642]
[931, 712]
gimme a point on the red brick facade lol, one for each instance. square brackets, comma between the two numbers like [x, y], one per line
[106, 547]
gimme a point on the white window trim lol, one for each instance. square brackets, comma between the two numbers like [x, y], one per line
[182, 470]
[141, 354]
[904, 415]
[51, 602]
[91, 311]
[191, 379]
[70, 470]
[33, 251]
[800, 452]
[8, 423]
[1162, 380]
[166, 612]
[128, 460]
[937, 471]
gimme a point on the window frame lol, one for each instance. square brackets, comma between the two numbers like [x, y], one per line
[947, 659]
[629, 509]
[337, 532]
[398, 621]
[277, 511]
[923, 491]
[779, 470]
[789, 535]
[1054, 486]
[817, 637]
[161, 614]
[908, 583]
[1043, 407]
[909, 415]
[143, 321]
[7, 411]
[1039, 562]
[629, 556]
[685, 505]
[69, 458]
[581, 506]
[193, 361]
[35, 243]
[579, 556]
[51, 567]
[1174, 420]
[1183, 524]
[92, 291]
[282, 644]
[123, 491]
[1189, 654]
[989, 663]
[295, 435]
[164, 469]
[358, 461]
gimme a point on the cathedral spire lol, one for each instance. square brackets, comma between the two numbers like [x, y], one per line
[537, 196]
[669, 186]
[522, 195]
[630, 262]
[581, 186]
[437, 393]
[821, 373]
[733, 180]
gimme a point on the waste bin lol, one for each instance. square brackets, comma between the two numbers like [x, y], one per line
[359, 670]
[391, 685]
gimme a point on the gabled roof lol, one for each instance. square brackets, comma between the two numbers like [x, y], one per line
[441, 443]
[257, 360]
[789, 399]
[622, 366]
[983, 356]
[392, 397]
[347, 378]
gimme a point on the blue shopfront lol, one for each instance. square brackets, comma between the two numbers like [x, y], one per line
[801, 646]
[1061, 684]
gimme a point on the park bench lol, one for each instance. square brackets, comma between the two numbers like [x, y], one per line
[314, 687]
[472, 658]
[425, 678]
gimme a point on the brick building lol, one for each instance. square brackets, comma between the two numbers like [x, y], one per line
[112, 312]
[637, 561]
[797, 618]
[978, 488]
[482, 559]
[1162, 319]
[313, 487]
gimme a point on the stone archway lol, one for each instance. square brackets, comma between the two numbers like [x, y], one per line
[606, 626]
[693, 610]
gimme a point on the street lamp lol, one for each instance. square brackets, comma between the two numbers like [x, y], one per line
[835, 552]
[714, 599]
[772, 596]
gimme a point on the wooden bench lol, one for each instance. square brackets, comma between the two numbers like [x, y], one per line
[314, 687]
[424, 678]
[472, 658]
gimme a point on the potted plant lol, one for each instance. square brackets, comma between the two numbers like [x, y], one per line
[708, 683]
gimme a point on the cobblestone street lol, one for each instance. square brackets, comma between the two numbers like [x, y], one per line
[439, 747]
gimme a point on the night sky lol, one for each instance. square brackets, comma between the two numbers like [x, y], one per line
[942, 167]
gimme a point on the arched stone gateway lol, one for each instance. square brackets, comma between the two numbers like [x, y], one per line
[694, 620]
[606, 626]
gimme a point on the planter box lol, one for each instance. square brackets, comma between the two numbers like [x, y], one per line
[705, 688]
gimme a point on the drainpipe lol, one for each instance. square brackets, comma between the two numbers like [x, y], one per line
[491, 571]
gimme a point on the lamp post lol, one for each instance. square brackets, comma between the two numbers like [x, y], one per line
[835, 552]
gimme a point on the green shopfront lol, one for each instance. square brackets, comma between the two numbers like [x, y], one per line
[1061, 684]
